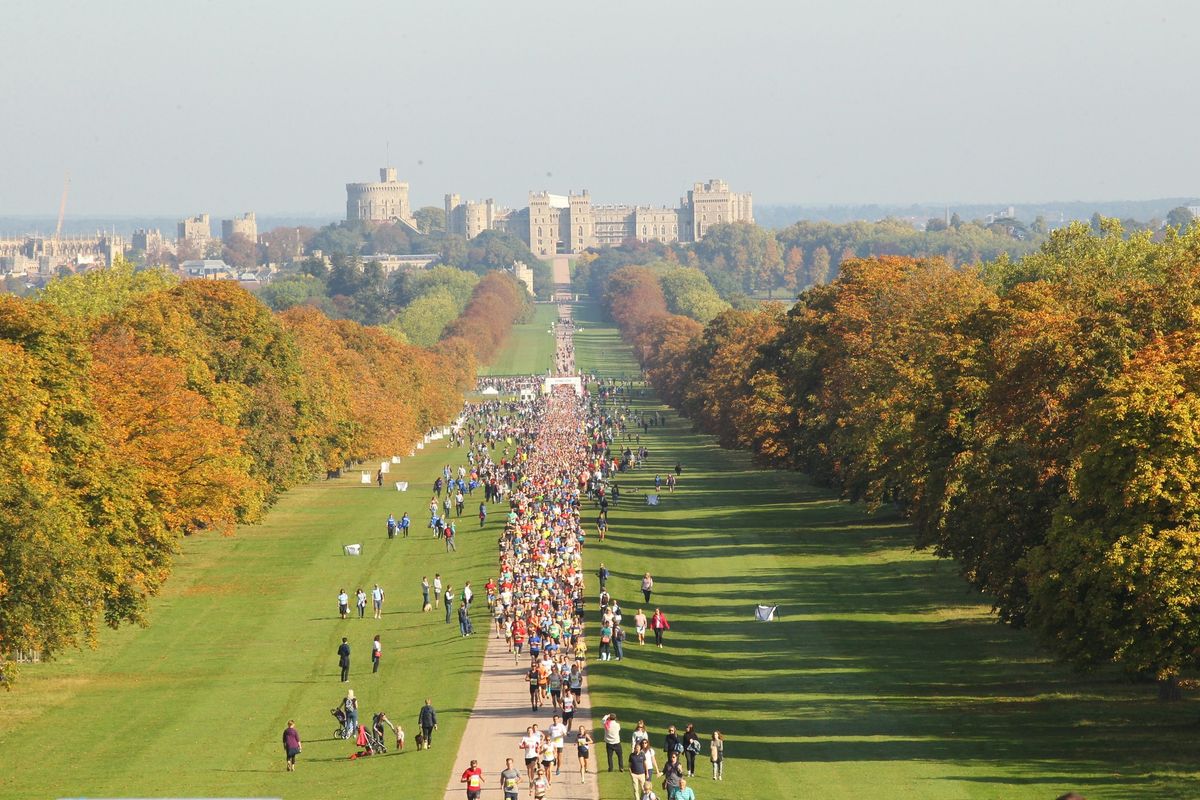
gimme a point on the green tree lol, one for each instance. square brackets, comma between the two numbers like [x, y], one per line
[1179, 218]
[430, 219]
[1118, 579]
[104, 291]
[423, 320]
[689, 293]
[293, 290]
[818, 268]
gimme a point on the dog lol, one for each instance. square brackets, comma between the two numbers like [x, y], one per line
[420, 741]
[427, 607]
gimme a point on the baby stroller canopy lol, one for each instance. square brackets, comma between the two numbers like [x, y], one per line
[766, 613]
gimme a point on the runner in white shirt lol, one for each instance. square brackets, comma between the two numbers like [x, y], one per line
[529, 745]
[558, 735]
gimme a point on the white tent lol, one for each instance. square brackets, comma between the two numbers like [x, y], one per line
[490, 390]
[353, 549]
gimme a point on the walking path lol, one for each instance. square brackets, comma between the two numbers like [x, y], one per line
[502, 713]
[498, 722]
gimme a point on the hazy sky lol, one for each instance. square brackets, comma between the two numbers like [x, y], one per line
[173, 107]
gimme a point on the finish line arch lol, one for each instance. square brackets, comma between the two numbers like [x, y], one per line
[574, 382]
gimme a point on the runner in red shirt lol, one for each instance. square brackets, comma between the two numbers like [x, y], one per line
[473, 778]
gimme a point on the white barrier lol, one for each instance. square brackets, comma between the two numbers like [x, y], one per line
[353, 549]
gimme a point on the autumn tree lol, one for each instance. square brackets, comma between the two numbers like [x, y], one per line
[818, 269]
[1118, 578]
[240, 251]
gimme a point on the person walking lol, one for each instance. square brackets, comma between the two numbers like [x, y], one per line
[647, 587]
[427, 722]
[618, 642]
[404, 523]
[377, 600]
[637, 769]
[464, 620]
[583, 749]
[343, 653]
[391, 526]
[684, 792]
[602, 574]
[716, 754]
[672, 776]
[343, 603]
[425, 593]
[437, 588]
[473, 777]
[510, 780]
[639, 626]
[291, 744]
[482, 514]
[659, 623]
[612, 742]
[448, 537]
[350, 706]
[691, 747]
[361, 599]
[448, 601]
[376, 654]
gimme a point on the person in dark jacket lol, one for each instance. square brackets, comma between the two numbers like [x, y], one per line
[691, 746]
[344, 659]
[427, 720]
[673, 743]
[291, 744]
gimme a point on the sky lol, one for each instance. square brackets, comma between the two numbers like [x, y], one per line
[170, 107]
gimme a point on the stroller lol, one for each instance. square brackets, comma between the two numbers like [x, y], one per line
[342, 731]
[370, 741]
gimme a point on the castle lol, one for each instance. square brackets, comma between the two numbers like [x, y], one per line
[385, 201]
[554, 223]
[571, 224]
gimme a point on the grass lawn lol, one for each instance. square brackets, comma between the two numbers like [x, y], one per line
[598, 346]
[244, 638]
[886, 677]
[529, 348]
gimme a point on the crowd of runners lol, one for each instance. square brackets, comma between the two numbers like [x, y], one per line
[554, 460]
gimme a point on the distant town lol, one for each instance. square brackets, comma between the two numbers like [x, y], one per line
[551, 224]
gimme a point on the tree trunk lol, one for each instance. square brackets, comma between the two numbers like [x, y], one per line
[1169, 690]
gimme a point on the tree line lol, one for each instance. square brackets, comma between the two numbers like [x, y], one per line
[1037, 419]
[138, 409]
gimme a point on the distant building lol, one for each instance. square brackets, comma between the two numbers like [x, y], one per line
[1195, 211]
[524, 274]
[195, 229]
[469, 219]
[385, 201]
[73, 251]
[402, 263]
[571, 223]
[146, 240]
[245, 225]
[212, 269]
